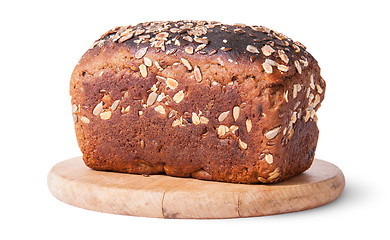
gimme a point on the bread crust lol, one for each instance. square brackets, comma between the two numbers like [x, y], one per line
[198, 99]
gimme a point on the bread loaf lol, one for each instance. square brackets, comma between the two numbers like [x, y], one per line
[231, 103]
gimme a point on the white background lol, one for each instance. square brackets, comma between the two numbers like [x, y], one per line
[42, 41]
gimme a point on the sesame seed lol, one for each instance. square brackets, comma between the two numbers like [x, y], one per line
[148, 62]
[269, 158]
[114, 105]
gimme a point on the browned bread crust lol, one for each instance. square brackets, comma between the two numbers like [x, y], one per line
[198, 99]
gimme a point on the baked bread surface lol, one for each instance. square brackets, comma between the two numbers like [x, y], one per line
[200, 99]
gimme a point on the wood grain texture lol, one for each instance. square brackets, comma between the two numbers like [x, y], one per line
[163, 196]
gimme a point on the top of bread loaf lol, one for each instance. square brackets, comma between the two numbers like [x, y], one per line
[277, 53]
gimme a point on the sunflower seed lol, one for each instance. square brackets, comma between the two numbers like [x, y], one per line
[267, 50]
[189, 50]
[98, 109]
[252, 49]
[151, 98]
[236, 112]
[114, 105]
[195, 119]
[160, 109]
[267, 67]
[248, 124]
[197, 74]
[171, 83]
[283, 56]
[298, 66]
[242, 144]
[144, 70]
[271, 134]
[204, 120]
[223, 116]
[140, 53]
[269, 158]
[84, 119]
[148, 62]
[186, 63]
[222, 130]
[179, 96]
[106, 115]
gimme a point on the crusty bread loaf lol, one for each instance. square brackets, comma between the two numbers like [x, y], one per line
[230, 103]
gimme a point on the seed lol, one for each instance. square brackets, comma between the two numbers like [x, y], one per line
[248, 124]
[295, 90]
[242, 144]
[294, 117]
[290, 134]
[283, 68]
[162, 36]
[252, 49]
[74, 108]
[317, 100]
[223, 116]
[125, 110]
[160, 109]
[267, 50]
[114, 105]
[200, 47]
[98, 109]
[233, 128]
[172, 83]
[236, 112]
[158, 66]
[125, 37]
[74, 116]
[286, 96]
[148, 62]
[312, 82]
[106, 115]
[144, 70]
[272, 133]
[151, 98]
[283, 56]
[203, 40]
[140, 53]
[319, 89]
[195, 119]
[189, 50]
[84, 119]
[188, 38]
[222, 130]
[186, 63]
[267, 67]
[204, 120]
[161, 79]
[298, 66]
[142, 144]
[269, 158]
[176, 122]
[274, 174]
[179, 96]
[197, 74]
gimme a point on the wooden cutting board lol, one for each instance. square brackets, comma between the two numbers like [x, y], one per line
[163, 196]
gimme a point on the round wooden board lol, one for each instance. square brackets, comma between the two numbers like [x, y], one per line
[163, 196]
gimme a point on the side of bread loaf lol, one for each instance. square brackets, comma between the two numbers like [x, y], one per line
[198, 99]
